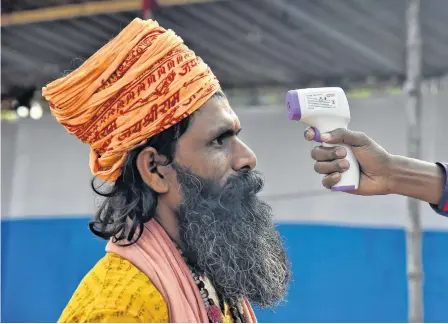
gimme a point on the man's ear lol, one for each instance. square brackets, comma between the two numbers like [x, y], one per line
[150, 165]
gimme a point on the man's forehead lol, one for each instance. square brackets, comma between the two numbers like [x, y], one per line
[215, 113]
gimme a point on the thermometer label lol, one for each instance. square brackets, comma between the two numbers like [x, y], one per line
[321, 100]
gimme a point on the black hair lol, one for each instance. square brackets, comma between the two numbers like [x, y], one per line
[129, 203]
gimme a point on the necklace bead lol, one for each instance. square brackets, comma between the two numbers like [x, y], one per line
[214, 313]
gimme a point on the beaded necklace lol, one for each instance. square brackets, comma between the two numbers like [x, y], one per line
[214, 313]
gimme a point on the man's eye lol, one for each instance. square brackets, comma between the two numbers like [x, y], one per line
[218, 141]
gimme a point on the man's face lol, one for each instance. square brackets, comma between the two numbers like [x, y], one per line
[226, 229]
[210, 147]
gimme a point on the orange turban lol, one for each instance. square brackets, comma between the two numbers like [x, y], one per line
[142, 82]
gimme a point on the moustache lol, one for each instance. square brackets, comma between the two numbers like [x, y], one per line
[242, 184]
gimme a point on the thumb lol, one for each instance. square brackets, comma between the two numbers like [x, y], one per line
[345, 136]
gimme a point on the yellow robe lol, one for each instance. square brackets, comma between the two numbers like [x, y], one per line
[115, 291]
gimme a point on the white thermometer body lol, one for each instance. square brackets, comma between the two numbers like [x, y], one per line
[325, 109]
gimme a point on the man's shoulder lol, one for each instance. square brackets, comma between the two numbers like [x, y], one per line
[115, 290]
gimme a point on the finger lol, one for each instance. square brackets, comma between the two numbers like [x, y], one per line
[309, 134]
[331, 167]
[345, 136]
[331, 179]
[320, 153]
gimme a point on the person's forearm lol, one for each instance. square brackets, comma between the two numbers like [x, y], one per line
[416, 179]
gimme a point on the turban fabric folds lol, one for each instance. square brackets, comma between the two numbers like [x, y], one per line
[140, 83]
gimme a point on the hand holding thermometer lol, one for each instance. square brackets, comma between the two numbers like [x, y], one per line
[325, 109]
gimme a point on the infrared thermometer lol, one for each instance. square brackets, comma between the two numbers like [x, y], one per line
[325, 109]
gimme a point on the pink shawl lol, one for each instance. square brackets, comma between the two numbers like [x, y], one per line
[157, 257]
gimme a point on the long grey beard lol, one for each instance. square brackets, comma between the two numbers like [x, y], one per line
[230, 235]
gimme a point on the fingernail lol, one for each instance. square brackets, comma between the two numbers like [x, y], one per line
[325, 137]
[340, 152]
[344, 165]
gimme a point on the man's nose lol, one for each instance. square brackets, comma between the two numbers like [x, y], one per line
[244, 158]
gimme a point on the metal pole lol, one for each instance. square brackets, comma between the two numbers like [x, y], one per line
[414, 113]
[146, 9]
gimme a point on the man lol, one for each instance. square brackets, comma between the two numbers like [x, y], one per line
[189, 240]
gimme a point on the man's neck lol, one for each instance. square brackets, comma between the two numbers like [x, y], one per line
[170, 224]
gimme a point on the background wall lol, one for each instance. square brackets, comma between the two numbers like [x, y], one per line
[348, 252]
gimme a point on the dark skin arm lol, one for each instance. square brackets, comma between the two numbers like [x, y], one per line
[381, 172]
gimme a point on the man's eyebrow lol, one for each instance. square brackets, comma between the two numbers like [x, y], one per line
[225, 130]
